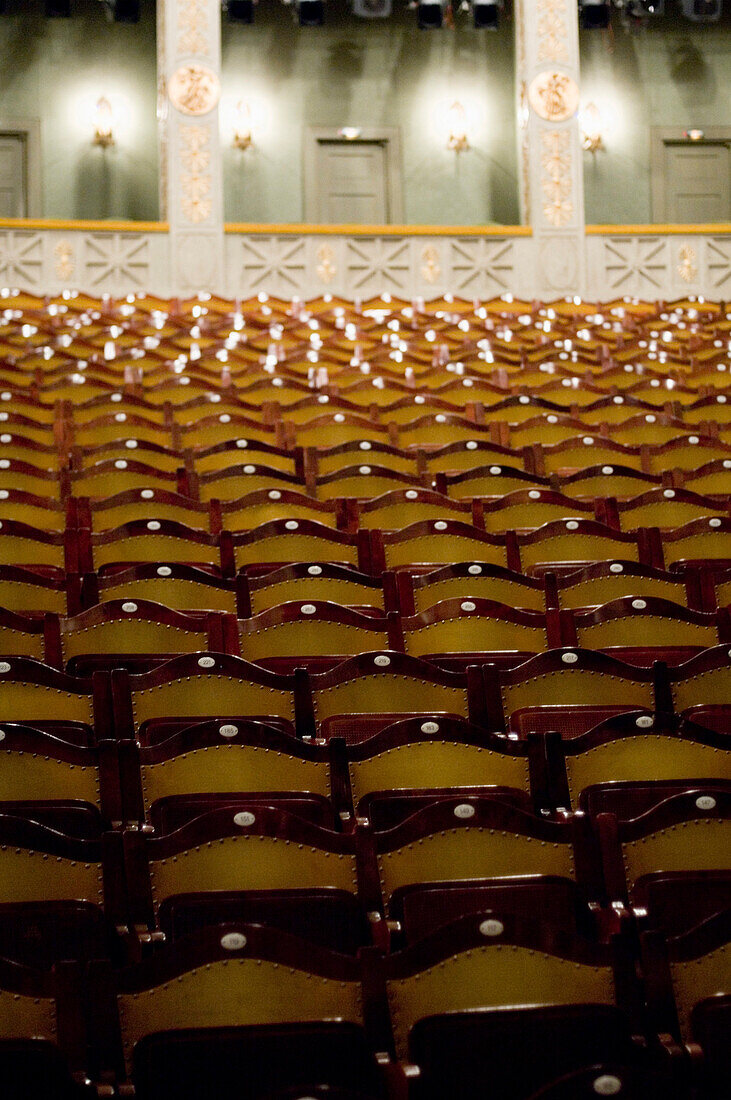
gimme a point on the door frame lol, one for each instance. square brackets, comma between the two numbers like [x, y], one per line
[29, 129]
[388, 136]
[659, 137]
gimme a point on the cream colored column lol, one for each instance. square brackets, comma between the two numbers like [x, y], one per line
[189, 89]
[549, 141]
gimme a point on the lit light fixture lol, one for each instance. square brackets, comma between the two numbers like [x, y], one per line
[103, 123]
[590, 121]
[457, 122]
[694, 135]
[242, 128]
[350, 133]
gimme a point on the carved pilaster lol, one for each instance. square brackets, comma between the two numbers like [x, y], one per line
[549, 140]
[189, 88]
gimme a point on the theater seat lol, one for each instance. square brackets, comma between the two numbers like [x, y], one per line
[307, 581]
[135, 634]
[189, 773]
[315, 635]
[474, 989]
[408, 764]
[443, 842]
[174, 695]
[228, 849]
[688, 982]
[466, 580]
[348, 700]
[365, 713]
[616, 769]
[570, 691]
[79, 879]
[688, 831]
[43, 1034]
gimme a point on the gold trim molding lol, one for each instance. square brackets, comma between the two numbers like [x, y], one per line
[80, 225]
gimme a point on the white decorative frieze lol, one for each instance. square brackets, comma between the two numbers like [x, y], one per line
[326, 269]
[355, 266]
[481, 267]
[718, 264]
[194, 89]
[301, 264]
[64, 257]
[552, 31]
[21, 259]
[114, 260]
[193, 26]
[46, 261]
[430, 266]
[556, 177]
[375, 264]
[195, 177]
[636, 265]
[687, 267]
[277, 265]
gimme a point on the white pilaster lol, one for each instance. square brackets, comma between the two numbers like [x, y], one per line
[191, 193]
[549, 141]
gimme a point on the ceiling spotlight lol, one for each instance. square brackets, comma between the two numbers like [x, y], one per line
[122, 11]
[429, 15]
[594, 14]
[486, 14]
[641, 9]
[240, 11]
[372, 9]
[702, 11]
[311, 13]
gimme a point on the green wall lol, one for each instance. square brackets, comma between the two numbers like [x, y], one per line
[674, 74]
[349, 73]
[356, 72]
[55, 70]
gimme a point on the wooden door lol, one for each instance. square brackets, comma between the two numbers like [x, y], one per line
[697, 182]
[353, 182]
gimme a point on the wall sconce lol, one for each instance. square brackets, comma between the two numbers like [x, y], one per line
[590, 121]
[242, 126]
[457, 122]
[103, 123]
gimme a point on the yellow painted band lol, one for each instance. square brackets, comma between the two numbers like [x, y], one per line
[660, 230]
[356, 230]
[84, 226]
